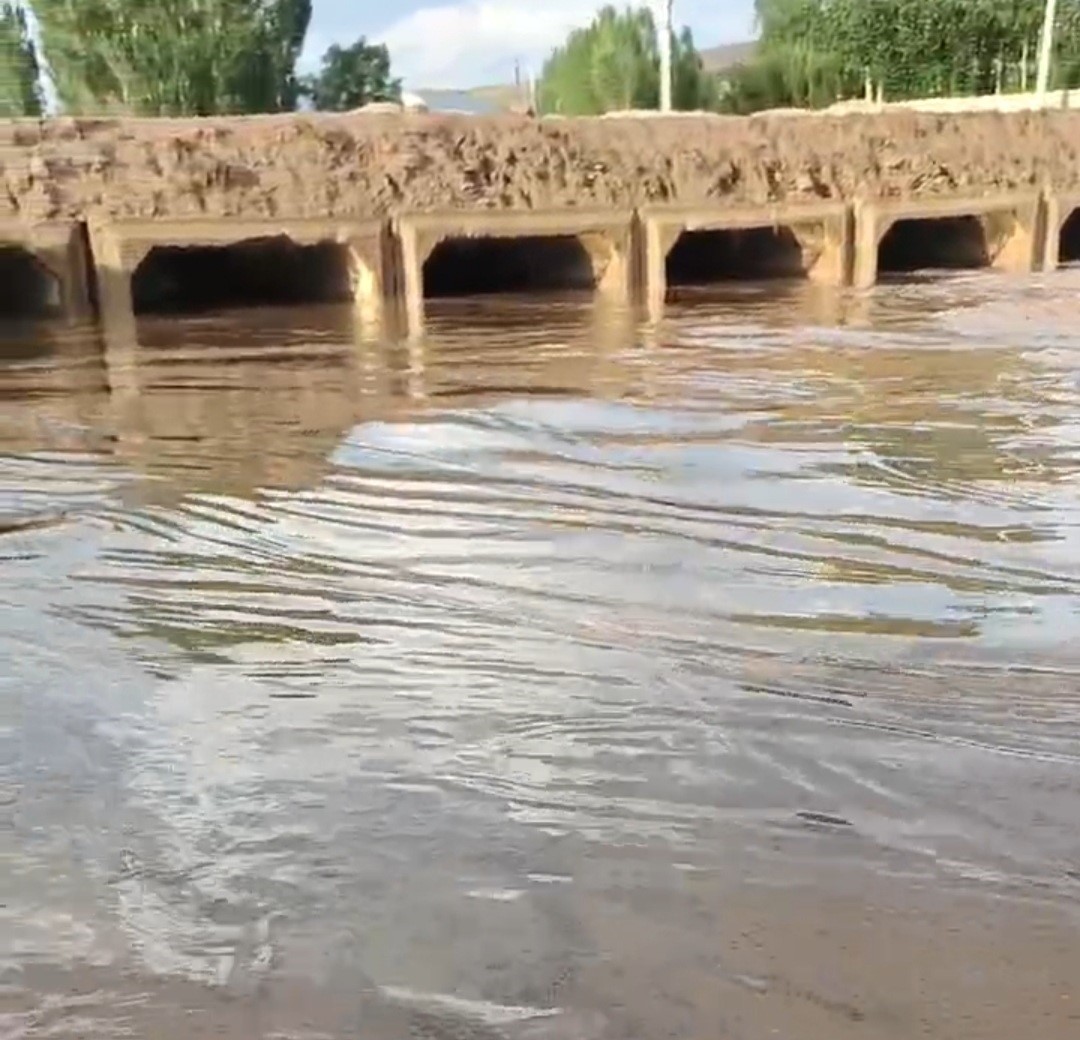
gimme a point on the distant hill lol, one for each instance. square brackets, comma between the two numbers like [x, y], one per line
[719, 59]
[504, 96]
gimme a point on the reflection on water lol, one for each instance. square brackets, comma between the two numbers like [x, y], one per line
[556, 676]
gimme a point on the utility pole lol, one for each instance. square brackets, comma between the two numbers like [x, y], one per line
[664, 34]
[1046, 48]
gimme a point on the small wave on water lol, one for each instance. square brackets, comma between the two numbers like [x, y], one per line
[561, 678]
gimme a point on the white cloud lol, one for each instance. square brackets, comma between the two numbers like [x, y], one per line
[476, 42]
[471, 43]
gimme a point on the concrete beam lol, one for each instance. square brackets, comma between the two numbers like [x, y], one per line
[119, 247]
[60, 248]
[822, 228]
[606, 235]
[1059, 207]
[1010, 225]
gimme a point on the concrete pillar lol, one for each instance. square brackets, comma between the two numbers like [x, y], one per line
[659, 239]
[115, 262]
[113, 281]
[868, 235]
[827, 249]
[367, 268]
[417, 245]
[611, 255]
[1012, 239]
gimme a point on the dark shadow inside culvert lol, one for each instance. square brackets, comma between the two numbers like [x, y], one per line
[934, 244]
[745, 254]
[28, 289]
[253, 273]
[470, 266]
[1069, 245]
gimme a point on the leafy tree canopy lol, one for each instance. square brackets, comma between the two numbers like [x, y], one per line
[353, 76]
[174, 57]
[614, 63]
[908, 48]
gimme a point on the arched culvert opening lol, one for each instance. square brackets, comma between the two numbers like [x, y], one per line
[1069, 247]
[28, 289]
[470, 266]
[256, 272]
[744, 254]
[924, 245]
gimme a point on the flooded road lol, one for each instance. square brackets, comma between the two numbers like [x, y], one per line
[555, 678]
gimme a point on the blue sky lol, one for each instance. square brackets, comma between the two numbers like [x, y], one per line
[475, 42]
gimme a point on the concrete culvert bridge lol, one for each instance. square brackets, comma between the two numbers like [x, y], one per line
[933, 244]
[251, 273]
[749, 254]
[28, 289]
[1069, 249]
[470, 266]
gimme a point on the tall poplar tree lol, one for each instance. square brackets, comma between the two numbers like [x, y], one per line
[174, 57]
[613, 64]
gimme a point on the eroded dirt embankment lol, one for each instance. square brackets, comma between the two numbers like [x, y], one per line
[363, 165]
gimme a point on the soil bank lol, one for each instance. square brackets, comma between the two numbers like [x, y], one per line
[373, 165]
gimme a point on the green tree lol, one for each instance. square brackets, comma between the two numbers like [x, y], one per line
[174, 57]
[785, 20]
[1067, 59]
[20, 94]
[267, 81]
[791, 75]
[905, 48]
[613, 64]
[352, 76]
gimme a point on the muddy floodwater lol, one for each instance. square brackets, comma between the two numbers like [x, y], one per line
[555, 678]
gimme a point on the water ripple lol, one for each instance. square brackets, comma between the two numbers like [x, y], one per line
[325, 658]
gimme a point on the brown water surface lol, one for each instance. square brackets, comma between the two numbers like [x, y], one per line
[556, 677]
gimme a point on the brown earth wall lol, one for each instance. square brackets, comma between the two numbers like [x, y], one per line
[369, 165]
